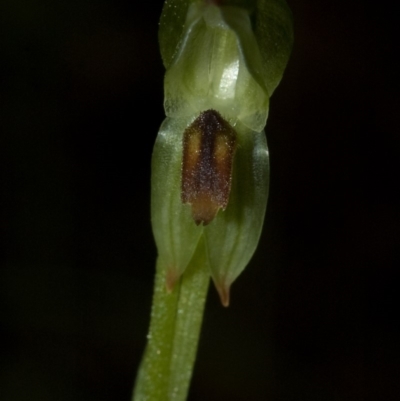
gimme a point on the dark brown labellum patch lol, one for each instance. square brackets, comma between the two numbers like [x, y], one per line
[208, 148]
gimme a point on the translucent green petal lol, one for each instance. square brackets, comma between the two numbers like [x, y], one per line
[172, 23]
[273, 29]
[211, 70]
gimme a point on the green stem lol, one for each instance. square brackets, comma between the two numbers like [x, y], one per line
[176, 318]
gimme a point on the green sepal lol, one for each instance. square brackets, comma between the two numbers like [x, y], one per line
[175, 232]
[274, 33]
[172, 21]
[233, 236]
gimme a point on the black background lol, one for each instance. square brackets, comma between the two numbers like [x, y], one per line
[314, 315]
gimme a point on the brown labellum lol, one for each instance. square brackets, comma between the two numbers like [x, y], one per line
[208, 148]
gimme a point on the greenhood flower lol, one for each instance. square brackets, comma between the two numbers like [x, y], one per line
[210, 172]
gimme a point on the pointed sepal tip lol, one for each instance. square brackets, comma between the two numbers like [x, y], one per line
[223, 292]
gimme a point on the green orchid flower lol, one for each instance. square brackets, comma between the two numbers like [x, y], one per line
[211, 154]
[210, 168]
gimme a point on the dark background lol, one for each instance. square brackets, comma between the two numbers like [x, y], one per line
[312, 318]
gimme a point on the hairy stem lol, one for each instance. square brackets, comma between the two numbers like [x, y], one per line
[176, 318]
